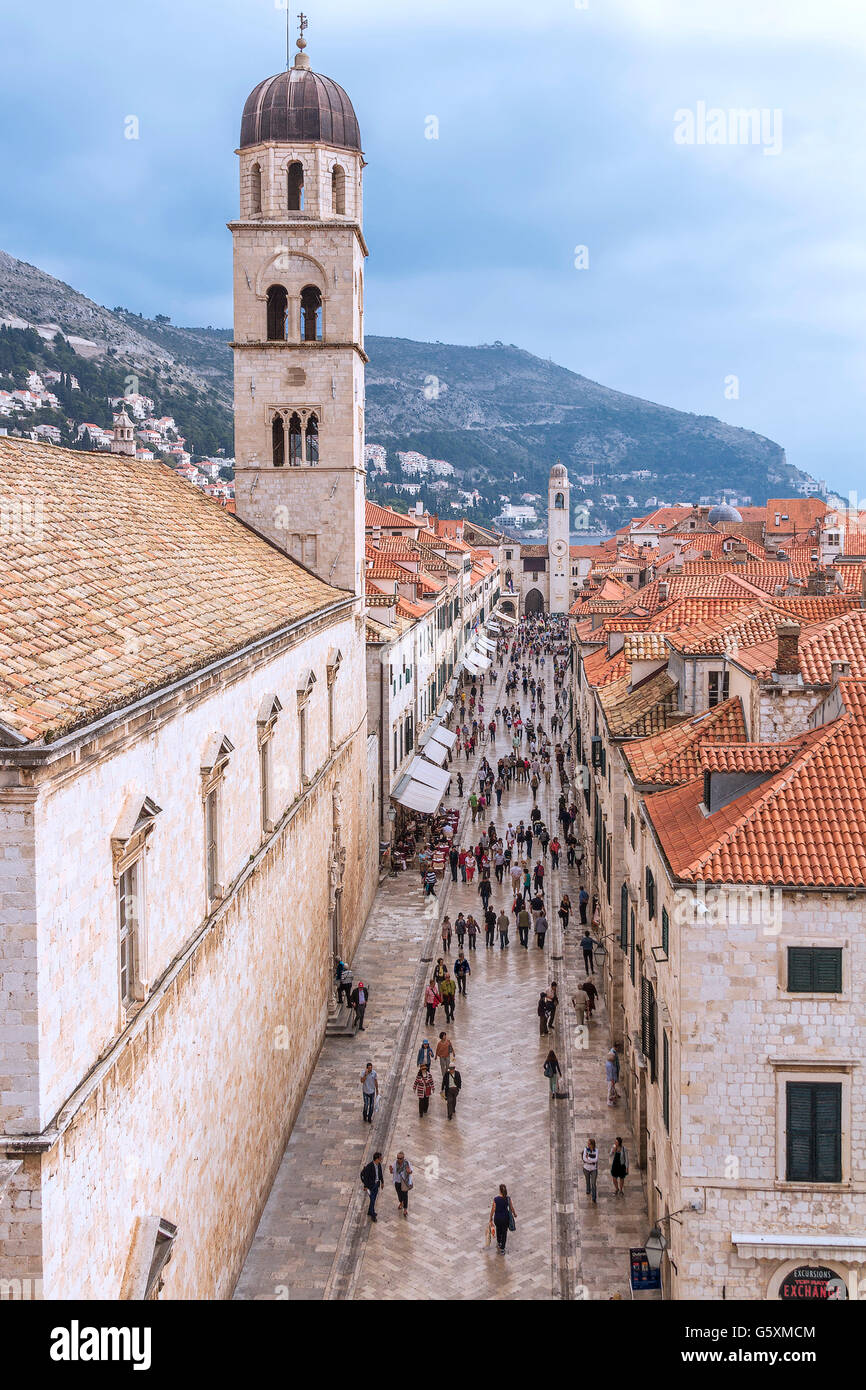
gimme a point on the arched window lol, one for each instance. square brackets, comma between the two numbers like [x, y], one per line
[312, 440]
[296, 187]
[295, 440]
[559, 502]
[278, 438]
[338, 189]
[256, 188]
[311, 314]
[278, 304]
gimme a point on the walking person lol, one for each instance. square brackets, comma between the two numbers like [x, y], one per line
[446, 933]
[555, 848]
[462, 969]
[374, 1180]
[618, 1166]
[564, 911]
[524, 922]
[460, 930]
[502, 1215]
[430, 883]
[489, 927]
[502, 924]
[432, 998]
[586, 945]
[359, 997]
[540, 930]
[425, 1054]
[471, 931]
[454, 861]
[611, 1072]
[423, 1088]
[444, 1052]
[552, 1003]
[591, 993]
[448, 990]
[451, 1083]
[590, 1169]
[552, 1070]
[541, 1010]
[485, 888]
[403, 1181]
[582, 903]
[369, 1091]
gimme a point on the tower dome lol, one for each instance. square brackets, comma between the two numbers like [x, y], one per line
[299, 106]
[723, 512]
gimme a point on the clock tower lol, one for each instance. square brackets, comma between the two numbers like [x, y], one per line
[558, 539]
[299, 358]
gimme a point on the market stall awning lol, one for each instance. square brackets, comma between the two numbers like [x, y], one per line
[486, 645]
[505, 618]
[449, 704]
[477, 658]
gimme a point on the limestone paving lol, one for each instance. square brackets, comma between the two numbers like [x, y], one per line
[314, 1239]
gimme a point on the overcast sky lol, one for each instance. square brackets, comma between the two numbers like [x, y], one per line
[560, 125]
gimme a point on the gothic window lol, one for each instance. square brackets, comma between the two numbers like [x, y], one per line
[278, 437]
[509, 580]
[256, 188]
[312, 433]
[296, 187]
[311, 314]
[338, 189]
[559, 502]
[277, 313]
[295, 451]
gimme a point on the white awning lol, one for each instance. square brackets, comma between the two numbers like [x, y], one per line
[493, 627]
[449, 704]
[452, 686]
[422, 771]
[477, 658]
[469, 665]
[435, 750]
[441, 734]
[416, 795]
[505, 617]
[486, 645]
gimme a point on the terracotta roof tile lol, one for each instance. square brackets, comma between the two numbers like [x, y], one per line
[132, 579]
[674, 756]
[645, 710]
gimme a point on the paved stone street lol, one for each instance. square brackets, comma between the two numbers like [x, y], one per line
[314, 1239]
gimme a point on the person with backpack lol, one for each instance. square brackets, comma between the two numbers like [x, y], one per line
[374, 1180]
[401, 1170]
[552, 1071]
[423, 1088]
[524, 922]
[460, 930]
[448, 990]
[590, 1169]
[432, 999]
[462, 969]
[425, 1054]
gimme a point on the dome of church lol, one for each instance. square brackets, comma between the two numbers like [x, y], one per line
[723, 512]
[299, 106]
[558, 473]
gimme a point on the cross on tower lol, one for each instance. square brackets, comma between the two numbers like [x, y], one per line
[302, 24]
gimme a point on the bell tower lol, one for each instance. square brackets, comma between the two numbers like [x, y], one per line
[299, 358]
[558, 539]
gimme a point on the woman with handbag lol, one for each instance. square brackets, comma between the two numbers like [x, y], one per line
[402, 1171]
[618, 1166]
[502, 1214]
[423, 1088]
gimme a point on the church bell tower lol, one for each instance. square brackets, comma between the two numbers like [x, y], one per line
[558, 539]
[299, 358]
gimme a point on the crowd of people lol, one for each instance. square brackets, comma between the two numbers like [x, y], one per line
[510, 867]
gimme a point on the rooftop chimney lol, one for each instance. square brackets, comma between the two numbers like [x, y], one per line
[838, 670]
[663, 591]
[788, 655]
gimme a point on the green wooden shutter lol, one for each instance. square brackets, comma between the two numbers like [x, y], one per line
[815, 969]
[666, 932]
[666, 1081]
[631, 948]
[623, 917]
[814, 1131]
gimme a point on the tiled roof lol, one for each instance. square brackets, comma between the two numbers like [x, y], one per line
[601, 669]
[645, 710]
[840, 639]
[750, 757]
[802, 513]
[532, 551]
[674, 756]
[804, 826]
[131, 579]
[407, 609]
[715, 542]
[645, 646]
[376, 516]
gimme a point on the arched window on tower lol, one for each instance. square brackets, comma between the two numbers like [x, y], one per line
[278, 437]
[278, 304]
[311, 314]
[312, 440]
[338, 189]
[295, 451]
[296, 187]
[256, 189]
[559, 502]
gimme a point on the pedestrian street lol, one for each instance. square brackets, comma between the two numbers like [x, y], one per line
[314, 1239]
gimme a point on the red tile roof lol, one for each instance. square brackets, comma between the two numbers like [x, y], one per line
[840, 639]
[376, 516]
[674, 756]
[803, 827]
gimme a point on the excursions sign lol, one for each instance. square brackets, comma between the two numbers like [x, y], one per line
[812, 1281]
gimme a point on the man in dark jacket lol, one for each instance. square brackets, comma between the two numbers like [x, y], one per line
[451, 1083]
[374, 1180]
[359, 999]
[453, 860]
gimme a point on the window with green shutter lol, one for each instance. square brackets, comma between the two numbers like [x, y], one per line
[623, 917]
[648, 1024]
[666, 931]
[666, 1081]
[815, 969]
[814, 1131]
[631, 948]
[650, 894]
